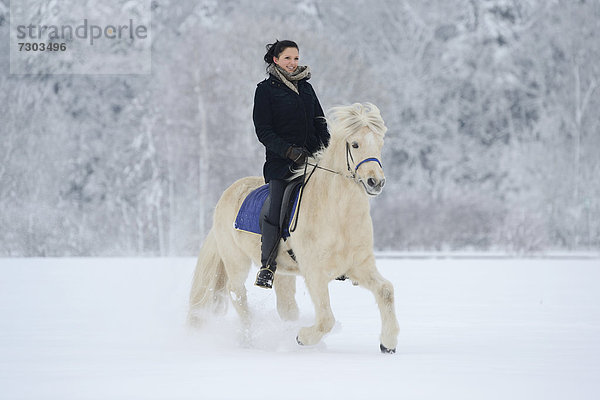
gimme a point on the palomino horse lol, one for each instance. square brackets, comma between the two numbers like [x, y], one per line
[333, 236]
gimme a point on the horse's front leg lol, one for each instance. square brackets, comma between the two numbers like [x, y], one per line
[318, 289]
[285, 289]
[382, 289]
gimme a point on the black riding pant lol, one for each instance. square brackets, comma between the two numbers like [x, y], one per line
[276, 189]
[270, 227]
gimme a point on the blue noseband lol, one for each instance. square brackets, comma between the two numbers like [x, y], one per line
[367, 160]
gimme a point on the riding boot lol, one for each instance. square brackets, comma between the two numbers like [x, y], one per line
[269, 246]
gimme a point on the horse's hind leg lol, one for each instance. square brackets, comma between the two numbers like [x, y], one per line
[237, 266]
[383, 291]
[285, 289]
[324, 320]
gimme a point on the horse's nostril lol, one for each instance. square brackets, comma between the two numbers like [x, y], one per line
[382, 184]
[372, 182]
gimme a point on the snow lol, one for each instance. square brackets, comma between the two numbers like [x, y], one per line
[114, 328]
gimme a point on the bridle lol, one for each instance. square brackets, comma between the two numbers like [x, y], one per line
[366, 160]
[353, 172]
[353, 175]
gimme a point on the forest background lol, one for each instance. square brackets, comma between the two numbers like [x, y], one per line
[492, 109]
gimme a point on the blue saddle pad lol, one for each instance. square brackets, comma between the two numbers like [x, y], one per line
[248, 217]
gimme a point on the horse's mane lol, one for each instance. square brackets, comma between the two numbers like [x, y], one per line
[343, 121]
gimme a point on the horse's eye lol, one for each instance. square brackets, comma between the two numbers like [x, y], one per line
[355, 145]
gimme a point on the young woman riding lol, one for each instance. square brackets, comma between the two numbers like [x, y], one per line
[289, 122]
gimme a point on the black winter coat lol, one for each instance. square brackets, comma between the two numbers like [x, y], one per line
[283, 118]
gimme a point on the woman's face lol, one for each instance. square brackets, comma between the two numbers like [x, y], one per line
[288, 59]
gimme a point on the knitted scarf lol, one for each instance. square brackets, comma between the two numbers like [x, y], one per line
[290, 80]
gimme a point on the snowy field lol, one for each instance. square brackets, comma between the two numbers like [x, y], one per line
[114, 328]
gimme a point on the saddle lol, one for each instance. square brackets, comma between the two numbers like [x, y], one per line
[255, 207]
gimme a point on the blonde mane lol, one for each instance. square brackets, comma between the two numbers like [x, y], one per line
[343, 121]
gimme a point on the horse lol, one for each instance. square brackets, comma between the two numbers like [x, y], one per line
[333, 234]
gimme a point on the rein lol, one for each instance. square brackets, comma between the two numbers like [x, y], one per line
[304, 183]
[317, 166]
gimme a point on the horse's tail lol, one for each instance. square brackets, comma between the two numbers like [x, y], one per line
[208, 286]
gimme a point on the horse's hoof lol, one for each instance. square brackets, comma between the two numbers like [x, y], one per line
[384, 349]
[299, 342]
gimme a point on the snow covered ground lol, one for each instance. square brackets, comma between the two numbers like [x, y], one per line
[114, 328]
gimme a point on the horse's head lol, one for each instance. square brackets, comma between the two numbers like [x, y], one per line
[359, 129]
[363, 152]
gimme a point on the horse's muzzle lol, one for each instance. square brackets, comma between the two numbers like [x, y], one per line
[373, 186]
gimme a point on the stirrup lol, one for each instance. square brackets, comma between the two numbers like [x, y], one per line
[264, 278]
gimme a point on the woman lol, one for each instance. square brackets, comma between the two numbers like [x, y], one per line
[289, 122]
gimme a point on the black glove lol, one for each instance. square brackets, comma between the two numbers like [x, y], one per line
[297, 154]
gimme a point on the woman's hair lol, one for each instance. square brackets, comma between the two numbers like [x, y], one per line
[275, 49]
